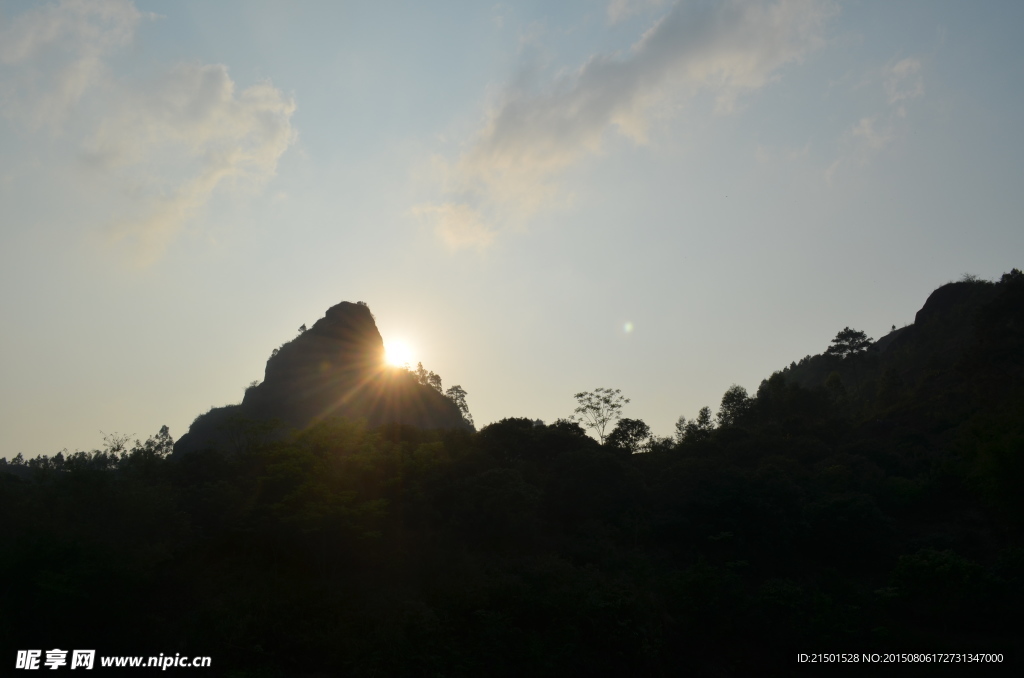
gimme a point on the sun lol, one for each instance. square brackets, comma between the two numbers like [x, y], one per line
[397, 353]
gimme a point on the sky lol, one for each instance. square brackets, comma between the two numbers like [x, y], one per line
[536, 198]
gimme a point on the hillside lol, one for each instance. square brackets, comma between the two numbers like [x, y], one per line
[875, 511]
[965, 333]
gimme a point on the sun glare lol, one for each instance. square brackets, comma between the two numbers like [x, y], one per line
[397, 353]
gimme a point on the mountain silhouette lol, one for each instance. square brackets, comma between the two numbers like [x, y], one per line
[868, 497]
[966, 333]
[336, 368]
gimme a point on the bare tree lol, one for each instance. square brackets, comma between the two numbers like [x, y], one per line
[598, 408]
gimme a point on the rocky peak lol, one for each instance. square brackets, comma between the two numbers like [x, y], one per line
[336, 368]
[952, 300]
[341, 348]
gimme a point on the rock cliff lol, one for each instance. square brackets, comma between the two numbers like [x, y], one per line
[335, 368]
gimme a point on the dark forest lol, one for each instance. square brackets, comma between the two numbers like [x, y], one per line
[864, 500]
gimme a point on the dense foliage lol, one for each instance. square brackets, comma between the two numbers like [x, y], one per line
[866, 508]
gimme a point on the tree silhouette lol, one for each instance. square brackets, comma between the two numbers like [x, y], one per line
[457, 395]
[695, 429]
[598, 408]
[428, 378]
[630, 434]
[849, 342]
[797, 510]
[735, 404]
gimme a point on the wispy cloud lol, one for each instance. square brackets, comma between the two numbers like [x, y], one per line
[458, 225]
[55, 53]
[511, 167]
[188, 132]
[866, 130]
[902, 82]
[165, 142]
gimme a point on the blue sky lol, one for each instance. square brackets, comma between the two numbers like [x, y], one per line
[666, 198]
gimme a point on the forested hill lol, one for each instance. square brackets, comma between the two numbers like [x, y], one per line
[864, 501]
[965, 333]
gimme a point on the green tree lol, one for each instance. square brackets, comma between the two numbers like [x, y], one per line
[457, 395]
[1012, 276]
[630, 434]
[849, 342]
[695, 429]
[426, 378]
[735, 405]
[680, 429]
[598, 408]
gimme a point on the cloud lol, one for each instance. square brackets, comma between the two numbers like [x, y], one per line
[187, 133]
[53, 54]
[866, 130]
[901, 83]
[164, 143]
[459, 226]
[539, 129]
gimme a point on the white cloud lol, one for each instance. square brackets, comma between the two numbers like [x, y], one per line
[903, 81]
[162, 144]
[871, 134]
[459, 226]
[537, 130]
[187, 133]
[53, 54]
[867, 131]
